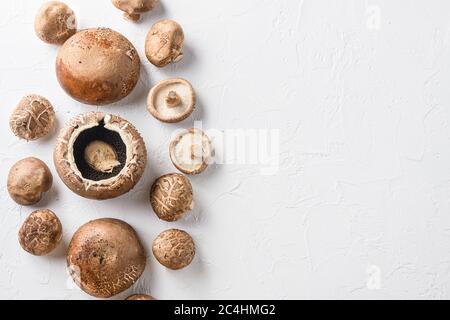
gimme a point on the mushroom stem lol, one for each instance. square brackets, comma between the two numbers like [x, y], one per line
[132, 16]
[196, 151]
[173, 99]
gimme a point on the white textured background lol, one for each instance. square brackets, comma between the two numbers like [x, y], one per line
[360, 207]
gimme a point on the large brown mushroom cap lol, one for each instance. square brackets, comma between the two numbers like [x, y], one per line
[41, 233]
[33, 118]
[171, 100]
[82, 177]
[171, 197]
[191, 151]
[134, 8]
[140, 297]
[98, 66]
[28, 180]
[174, 249]
[55, 22]
[105, 257]
[164, 43]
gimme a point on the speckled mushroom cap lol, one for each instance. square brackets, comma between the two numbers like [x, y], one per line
[55, 22]
[171, 100]
[171, 197]
[79, 176]
[33, 118]
[191, 151]
[98, 66]
[164, 43]
[41, 233]
[140, 297]
[105, 257]
[134, 8]
[174, 249]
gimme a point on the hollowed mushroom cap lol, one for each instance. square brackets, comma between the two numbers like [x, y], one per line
[174, 249]
[140, 297]
[55, 22]
[33, 118]
[105, 257]
[191, 151]
[98, 66]
[83, 178]
[134, 8]
[41, 233]
[171, 197]
[171, 100]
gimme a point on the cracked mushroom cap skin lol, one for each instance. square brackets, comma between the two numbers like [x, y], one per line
[55, 22]
[171, 100]
[98, 66]
[174, 249]
[28, 180]
[191, 151]
[105, 257]
[137, 297]
[41, 233]
[171, 197]
[134, 8]
[33, 118]
[83, 180]
[164, 43]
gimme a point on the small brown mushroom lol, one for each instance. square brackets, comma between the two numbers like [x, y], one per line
[140, 297]
[172, 100]
[55, 22]
[174, 249]
[171, 197]
[100, 156]
[105, 257]
[28, 180]
[33, 118]
[41, 233]
[134, 8]
[164, 43]
[98, 66]
[191, 151]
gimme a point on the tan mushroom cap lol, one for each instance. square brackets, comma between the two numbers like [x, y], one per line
[171, 197]
[191, 151]
[28, 180]
[33, 118]
[140, 297]
[41, 233]
[164, 43]
[134, 8]
[174, 249]
[55, 22]
[105, 257]
[171, 100]
[98, 66]
[116, 185]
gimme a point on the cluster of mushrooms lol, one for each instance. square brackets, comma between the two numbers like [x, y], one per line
[100, 156]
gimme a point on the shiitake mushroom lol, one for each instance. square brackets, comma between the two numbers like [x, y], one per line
[33, 118]
[171, 197]
[41, 232]
[174, 249]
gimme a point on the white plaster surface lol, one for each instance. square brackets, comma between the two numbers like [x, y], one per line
[360, 205]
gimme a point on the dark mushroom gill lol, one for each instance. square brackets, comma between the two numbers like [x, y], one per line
[103, 134]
